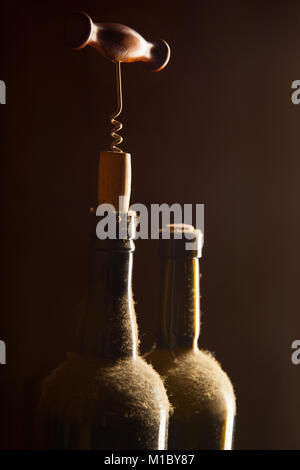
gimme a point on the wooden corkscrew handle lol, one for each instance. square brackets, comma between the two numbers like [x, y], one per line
[116, 42]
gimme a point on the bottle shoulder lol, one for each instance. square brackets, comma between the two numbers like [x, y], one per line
[193, 378]
[83, 387]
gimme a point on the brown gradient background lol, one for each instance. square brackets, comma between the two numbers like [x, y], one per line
[216, 127]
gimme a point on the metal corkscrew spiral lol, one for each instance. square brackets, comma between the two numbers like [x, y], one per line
[117, 125]
[118, 43]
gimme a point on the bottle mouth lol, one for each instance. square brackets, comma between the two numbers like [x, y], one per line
[115, 230]
[126, 221]
[181, 240]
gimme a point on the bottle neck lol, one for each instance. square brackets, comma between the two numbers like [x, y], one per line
[179, 303]
[109, 329]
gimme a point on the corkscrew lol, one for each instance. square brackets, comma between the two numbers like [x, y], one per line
[120, 44]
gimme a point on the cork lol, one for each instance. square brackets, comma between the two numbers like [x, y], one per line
[114, 179]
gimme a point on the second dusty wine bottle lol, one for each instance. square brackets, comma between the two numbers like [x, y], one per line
[198, 388]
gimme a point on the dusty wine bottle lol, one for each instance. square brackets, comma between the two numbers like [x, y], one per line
[104, 395]
[199, 390]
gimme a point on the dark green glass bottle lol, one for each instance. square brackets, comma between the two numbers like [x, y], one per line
[199, 390]
[104, 395]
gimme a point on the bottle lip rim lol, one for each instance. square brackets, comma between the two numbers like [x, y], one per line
[183, 229]
[183, 241]
[123, 227]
